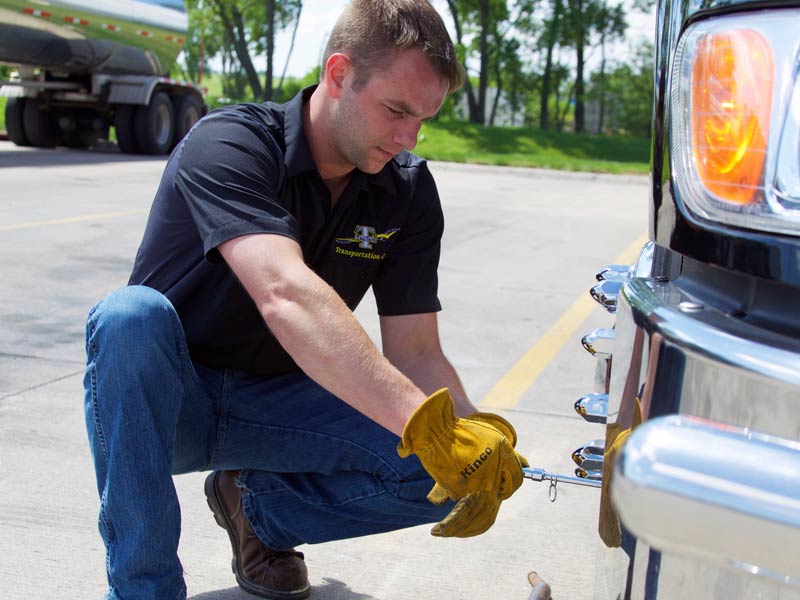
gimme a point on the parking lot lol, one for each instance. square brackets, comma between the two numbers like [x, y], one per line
[521, 249]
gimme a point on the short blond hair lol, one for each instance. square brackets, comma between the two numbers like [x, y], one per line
[372, 32]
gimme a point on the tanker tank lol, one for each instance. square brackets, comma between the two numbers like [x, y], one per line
[102, 36]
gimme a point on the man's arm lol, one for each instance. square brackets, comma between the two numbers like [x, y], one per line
[319, 331]
[411, 343]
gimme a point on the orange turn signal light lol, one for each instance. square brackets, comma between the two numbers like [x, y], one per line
[731, 100]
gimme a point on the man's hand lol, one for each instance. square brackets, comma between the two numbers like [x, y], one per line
[471, 461]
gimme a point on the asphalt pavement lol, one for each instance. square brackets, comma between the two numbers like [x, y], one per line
[521, 247]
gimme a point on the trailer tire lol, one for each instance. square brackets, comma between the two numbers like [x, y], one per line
[15, 125]
[154, 125]
[40, 128]
[188, 110]
[123, 125]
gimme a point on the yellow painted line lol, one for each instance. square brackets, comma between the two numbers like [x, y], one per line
[95, 217]
[507, 392]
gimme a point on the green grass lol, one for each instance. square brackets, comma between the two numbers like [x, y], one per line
[461, 142]
[456, 141]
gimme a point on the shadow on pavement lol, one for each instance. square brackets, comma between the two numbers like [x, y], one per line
[228, 594]
[59, 157]
[332, 589]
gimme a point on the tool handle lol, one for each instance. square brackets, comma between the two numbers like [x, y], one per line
[536, 474]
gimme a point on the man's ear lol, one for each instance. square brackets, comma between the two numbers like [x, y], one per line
[337, 69]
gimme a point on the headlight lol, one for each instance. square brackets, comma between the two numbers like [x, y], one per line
[735, 120]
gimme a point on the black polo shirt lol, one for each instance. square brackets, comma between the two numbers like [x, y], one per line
[248, 169]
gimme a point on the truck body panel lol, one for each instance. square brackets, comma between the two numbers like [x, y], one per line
[707, 329]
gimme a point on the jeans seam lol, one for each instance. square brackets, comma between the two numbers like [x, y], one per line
[249, 509]
[98, 427]
[110, 536]
[255, 525]
[344, 441]
[311, 501]
[222, 428]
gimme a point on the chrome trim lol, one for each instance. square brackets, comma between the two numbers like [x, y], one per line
[593, 407]
[592, 475]
[701, 488]
[605, 293]
[594, 447]
[680, 356]
[643, 266]
[613, 273]
[602, 370]
[588, 460]
[599, 342]
[712, 335]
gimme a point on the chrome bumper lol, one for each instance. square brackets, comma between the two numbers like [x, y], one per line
[709, 486]
[718, 493]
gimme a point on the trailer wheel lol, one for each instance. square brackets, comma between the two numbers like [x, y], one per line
[40, 128]
[123, 125]
[15, 126]
[154, 125]
[188, 110]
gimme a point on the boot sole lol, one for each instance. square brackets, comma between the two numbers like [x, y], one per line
[222, 520]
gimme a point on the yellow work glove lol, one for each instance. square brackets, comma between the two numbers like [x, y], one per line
[461, 521]
[503, 427]
[471, 462]
[609, 527]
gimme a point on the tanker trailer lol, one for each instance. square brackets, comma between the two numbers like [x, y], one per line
[81, 66]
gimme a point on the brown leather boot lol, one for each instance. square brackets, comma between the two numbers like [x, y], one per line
[275, 574]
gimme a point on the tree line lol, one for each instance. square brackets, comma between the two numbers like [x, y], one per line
[537, 63]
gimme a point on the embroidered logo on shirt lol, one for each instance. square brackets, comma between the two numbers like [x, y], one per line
[366, 238]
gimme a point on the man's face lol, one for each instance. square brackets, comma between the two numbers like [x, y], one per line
[382, 118]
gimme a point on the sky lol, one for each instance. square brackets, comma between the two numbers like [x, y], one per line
[316, 21]
[318, 17]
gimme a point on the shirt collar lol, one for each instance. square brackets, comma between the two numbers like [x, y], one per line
[298, 153]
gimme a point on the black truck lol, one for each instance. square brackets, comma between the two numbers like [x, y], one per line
[699, 378]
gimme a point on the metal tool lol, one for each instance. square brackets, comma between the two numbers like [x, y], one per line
[556, 478]
[541, 589]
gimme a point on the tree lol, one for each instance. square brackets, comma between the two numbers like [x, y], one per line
[481, 20]
[579, 20]
[461, 50]
[591, 23]
[231, 14]
[508, 76]
[610, 24]
[242, 30]
[552, 33]
[629, 89]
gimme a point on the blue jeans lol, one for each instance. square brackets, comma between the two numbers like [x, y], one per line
[314, 469]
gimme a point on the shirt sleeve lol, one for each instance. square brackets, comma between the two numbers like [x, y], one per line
[408, 281]
[229, 174]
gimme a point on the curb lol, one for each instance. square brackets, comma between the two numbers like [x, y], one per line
[520, 171]
[542, 173]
